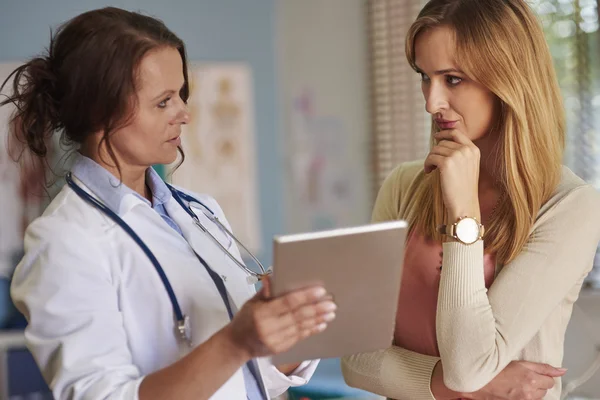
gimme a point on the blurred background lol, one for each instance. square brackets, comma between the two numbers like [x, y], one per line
[300, 108]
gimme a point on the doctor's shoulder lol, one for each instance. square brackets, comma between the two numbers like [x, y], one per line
[66, 247]
[68, 212]
[70, 229]
[396, 190]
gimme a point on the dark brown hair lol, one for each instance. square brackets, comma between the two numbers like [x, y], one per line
[87, 81]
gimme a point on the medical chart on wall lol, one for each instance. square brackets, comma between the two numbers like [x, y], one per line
[219, 145]
[321, 168]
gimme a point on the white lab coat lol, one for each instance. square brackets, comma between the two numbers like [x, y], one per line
[99, 316]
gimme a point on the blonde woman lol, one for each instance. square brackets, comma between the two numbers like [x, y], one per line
[495, 162]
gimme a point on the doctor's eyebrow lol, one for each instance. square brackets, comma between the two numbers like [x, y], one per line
[167, 92]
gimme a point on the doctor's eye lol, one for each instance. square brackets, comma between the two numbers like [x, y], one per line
[163, 104]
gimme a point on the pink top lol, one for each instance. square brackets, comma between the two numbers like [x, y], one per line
[415, 321]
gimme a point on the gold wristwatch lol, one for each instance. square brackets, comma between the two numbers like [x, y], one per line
[466, 230]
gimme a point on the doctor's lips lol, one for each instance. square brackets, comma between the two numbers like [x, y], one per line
[445, 124]
[176, 140]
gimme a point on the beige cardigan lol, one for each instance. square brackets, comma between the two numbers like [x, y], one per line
[524, 314]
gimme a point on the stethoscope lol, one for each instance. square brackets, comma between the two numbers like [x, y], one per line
[183, 325]
[180, 197]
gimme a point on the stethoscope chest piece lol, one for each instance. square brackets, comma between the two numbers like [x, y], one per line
[185, 330]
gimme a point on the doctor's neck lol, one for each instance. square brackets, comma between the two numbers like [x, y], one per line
[130, 174]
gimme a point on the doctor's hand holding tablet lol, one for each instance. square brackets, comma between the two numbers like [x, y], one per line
[268, 325]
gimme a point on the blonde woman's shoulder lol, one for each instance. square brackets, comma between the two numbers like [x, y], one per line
[576, 193]
[571, 183]
[395, 186]
[406, 173]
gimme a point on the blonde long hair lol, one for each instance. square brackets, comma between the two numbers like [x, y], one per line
[501, 45]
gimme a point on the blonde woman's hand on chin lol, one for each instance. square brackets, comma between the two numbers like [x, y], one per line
[457, 159]
[268, 325]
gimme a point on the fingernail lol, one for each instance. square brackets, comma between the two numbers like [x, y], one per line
[321, 327]
[319, 292]
[329, 296]
[329, 317]
[329, 306]
[562, 369]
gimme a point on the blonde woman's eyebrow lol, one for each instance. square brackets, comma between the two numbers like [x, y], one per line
[441, 71]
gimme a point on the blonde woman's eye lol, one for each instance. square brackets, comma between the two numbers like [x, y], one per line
[424, 77]
[453, 80]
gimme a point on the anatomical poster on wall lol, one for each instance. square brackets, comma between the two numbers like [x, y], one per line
[219, 145]
[321, 174]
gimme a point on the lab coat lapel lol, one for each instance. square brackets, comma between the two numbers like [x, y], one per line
[238, 289]
[235, 280]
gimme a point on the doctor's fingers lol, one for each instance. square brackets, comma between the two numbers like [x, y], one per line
[297, 299]
[271, 313]
[288, 337]
[277, 332]
[306, 327]
[303, 318]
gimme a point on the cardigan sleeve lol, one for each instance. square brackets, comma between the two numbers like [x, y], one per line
[479, 333]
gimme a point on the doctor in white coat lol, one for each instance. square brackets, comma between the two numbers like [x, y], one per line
[134, 289]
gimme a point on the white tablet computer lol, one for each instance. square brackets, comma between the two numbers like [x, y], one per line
[362, 268]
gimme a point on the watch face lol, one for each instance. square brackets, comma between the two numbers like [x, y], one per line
[467, 230]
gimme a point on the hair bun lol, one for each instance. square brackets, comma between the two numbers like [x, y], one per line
[43, 79]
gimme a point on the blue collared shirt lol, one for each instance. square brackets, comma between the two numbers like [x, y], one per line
[111, 191]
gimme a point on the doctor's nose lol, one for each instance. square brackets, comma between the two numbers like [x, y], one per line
[183, 116]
